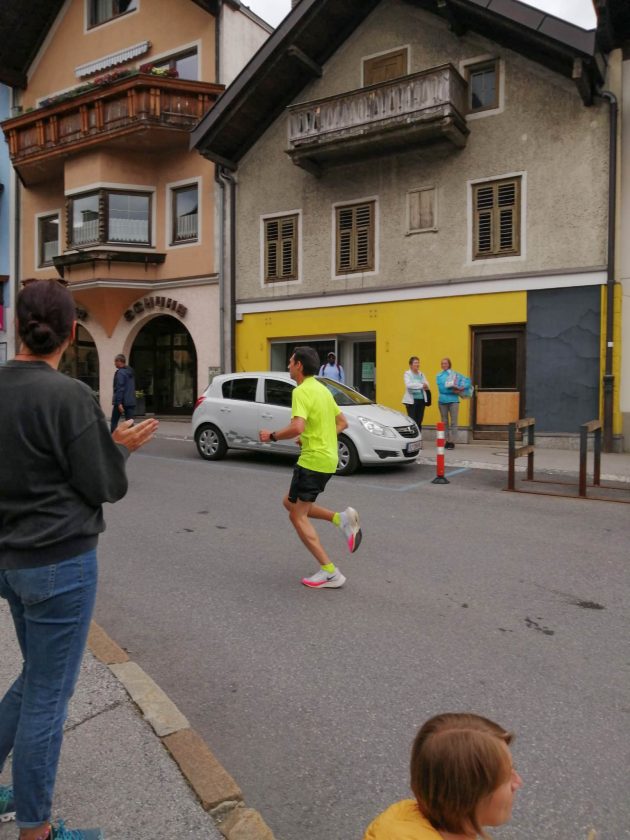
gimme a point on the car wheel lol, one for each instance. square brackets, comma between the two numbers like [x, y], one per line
[348, 458]
[210, 442]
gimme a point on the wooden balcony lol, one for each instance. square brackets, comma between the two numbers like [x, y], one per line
[407, 112]
[142, 112]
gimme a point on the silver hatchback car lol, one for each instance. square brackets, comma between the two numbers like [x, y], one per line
[236, 406]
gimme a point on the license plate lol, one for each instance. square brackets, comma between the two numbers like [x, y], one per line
[413, 447]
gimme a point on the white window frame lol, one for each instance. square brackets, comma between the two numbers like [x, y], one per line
[87, 29]
[365, 58]
[377, 226]
[54, 212]
[168, 197]
[470, 221]
[280, 284]
[484, 59]
[434, 229]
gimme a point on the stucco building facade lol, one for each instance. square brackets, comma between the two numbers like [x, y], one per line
[437, 186]
[112, 199]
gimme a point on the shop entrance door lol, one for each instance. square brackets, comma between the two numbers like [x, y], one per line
[364, 368]
[499, 379]
[164, 359]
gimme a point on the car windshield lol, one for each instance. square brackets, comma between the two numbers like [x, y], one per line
[342, 394]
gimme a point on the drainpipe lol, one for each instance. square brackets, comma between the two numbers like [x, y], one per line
[17, 234]
[228, 178]
[609, 379]
[221, 186]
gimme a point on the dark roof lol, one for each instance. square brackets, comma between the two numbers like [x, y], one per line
[314, 29]
[23, 27]
[613, 23]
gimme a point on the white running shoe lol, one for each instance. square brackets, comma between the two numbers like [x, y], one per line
[325, 580]
[350, 527]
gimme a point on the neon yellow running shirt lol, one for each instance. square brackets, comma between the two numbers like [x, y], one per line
[314, 403]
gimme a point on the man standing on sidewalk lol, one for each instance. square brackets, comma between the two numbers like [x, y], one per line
[317, 420]
[124, 399]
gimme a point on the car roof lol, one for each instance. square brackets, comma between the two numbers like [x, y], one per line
[277, 374]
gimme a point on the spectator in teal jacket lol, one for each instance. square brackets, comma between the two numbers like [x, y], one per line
[448, 402]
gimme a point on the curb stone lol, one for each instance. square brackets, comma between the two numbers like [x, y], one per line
[215, 788]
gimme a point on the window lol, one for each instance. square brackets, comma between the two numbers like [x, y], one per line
[497, 218]
[382, 68]
[185, 65]
[355, 238]
[48, 238]
[240, 389]
[104, 10]
[109, 216]
[278, 393]
[185, 214]
[421, 210]
[281, 249]
[483, 86]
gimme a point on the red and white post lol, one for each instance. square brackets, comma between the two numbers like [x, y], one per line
[439, 471]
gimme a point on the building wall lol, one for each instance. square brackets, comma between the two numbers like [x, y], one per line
[168, 25]
[242, 35]
[430, 329]
[543, 118]
[623, 241]
[563, 357]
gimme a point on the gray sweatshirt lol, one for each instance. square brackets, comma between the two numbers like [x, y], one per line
[58, 464]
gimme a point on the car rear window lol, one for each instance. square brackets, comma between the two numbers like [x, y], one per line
[240, 389]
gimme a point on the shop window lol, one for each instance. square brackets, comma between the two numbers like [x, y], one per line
[281, 248]
[185, 214]
[355, 227]
[109, 216]
[48, 238]
[100, 11]
[80, 360]
[497, 218]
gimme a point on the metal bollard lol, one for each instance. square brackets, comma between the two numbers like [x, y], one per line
[439, 440]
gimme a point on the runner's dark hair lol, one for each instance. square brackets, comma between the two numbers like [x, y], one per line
[309, 358]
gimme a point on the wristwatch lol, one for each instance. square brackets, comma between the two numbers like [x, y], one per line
[272, 437]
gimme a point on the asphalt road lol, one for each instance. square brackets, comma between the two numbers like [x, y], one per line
[462, 597]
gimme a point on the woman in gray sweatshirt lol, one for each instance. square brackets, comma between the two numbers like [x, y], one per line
[58, 464]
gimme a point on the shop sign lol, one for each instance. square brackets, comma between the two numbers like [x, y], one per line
[149, 303]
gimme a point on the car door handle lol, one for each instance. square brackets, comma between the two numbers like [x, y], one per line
[266, 416]
[225, 410]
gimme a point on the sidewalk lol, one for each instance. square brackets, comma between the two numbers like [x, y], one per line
[118, 765]
[614, 467]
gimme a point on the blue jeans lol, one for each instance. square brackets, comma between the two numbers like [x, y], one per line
[51, 608]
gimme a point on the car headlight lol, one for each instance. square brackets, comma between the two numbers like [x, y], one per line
[376, 428]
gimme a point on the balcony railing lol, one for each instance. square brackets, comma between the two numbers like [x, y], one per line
[135, 103]
[422, 107]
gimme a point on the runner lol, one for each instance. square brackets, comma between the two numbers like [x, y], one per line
[316, 420]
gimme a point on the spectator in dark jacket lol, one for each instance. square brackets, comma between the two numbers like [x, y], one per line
[124, 399]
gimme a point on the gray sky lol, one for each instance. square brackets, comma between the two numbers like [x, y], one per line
[579, 12]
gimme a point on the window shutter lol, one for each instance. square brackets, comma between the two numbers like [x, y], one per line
[355, 238]
[281, 249]
[422, 210]
[497, 219]
[385, 67]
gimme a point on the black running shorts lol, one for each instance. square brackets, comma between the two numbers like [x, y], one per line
[306, 485]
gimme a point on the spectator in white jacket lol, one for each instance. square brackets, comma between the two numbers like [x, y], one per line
[415, 396]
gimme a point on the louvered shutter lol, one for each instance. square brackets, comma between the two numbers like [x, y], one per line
[355, 238]
[497, 219]
[281, 249]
